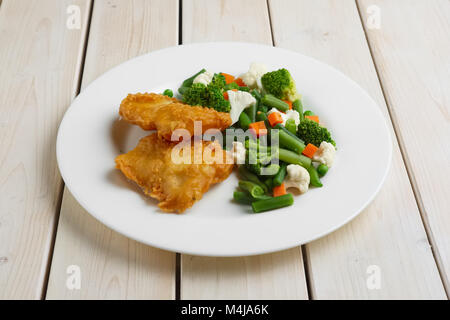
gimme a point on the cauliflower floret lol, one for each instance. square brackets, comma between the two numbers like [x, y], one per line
[238, 151]
[297, 177]
[325, 154]
[239, 100]
[252, 78]
[204, 78]
[290, 114]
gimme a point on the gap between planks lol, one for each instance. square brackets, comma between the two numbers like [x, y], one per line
[406, 161]
[78, 77]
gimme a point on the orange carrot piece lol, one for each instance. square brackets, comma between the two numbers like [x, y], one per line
[289, 103]
[310, 150]
[240, 82]
[274, 118]
[313, 118]
[279, 190]
[258, 128]
[228, 78]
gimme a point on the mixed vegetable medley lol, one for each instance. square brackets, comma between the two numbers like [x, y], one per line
[266, 103]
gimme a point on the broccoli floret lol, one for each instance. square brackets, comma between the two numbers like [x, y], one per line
[218, 80]
[210, 96]
[311, 132]
[216, 99]
[196, 95]
[280, 84]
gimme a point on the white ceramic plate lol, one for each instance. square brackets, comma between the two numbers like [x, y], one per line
[91, 136]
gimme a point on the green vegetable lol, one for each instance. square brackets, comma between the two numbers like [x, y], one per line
[262, 108]
[246, 89]
[253, 189]
[298, 106]
[251, 111]
[280, 127]
[261, 116]
[244, 120]
[210, 96]
[308, 113]
[322, 170]
[293, 158]
[231, 86]
[314, 179]
[189, 81]
[218, 80]
[280, 84]
[269, 183]
[168, 93]
[270, 170]
[281, 174]
[242, 197]
[273, 102]
[291, 126]
[273, 203]
[289, 142]
[249, 176]
[256, 94]
[311, 132]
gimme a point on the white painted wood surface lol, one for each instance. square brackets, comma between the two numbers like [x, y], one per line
[389, 233]
[113, 266]
[412, 55]
[273, 276]
[39, 67]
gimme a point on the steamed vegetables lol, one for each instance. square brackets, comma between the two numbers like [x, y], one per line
[288, 147]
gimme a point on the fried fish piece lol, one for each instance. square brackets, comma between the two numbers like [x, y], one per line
[176, 185]
[153, 111]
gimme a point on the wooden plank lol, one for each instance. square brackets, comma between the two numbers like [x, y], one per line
[39, 68]
[272, 276]
[389, 234]
[412, 55]
[113, 266]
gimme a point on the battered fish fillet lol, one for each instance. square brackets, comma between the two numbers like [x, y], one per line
[153, 111]
[176, 186]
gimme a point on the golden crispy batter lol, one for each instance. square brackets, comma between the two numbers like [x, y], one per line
[176, 186]
[153, 111]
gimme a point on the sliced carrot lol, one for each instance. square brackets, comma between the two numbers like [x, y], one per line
[228, 78]
[225, 94]
[313, 118]
[289, 103]
[240, 82]
[275, 118]
[310, 150]
[279, 190]
[258, 128]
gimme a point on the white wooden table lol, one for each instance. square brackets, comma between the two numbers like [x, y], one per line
[398, 50]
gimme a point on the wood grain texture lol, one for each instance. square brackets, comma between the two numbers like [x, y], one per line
[272, 276]
[113, 266]
[412, 55]
[39, 65]
[389, 233]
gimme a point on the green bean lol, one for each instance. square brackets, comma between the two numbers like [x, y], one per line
[244, 121]
[273, 203]
[308, 113]
[289, 142]
[314, 179]
[270, 170]
[272, 101]
[291, 126]
[298, 106]
[249, 176]
[256, 94]
[281, 174]
[293, 158]
[261, 116]
[252, 188]
[242, 197]
[262, 108]
[252, 144]
[189, 81]
[269, 183]
[280, 127]
[251, 112]
[322, 170]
